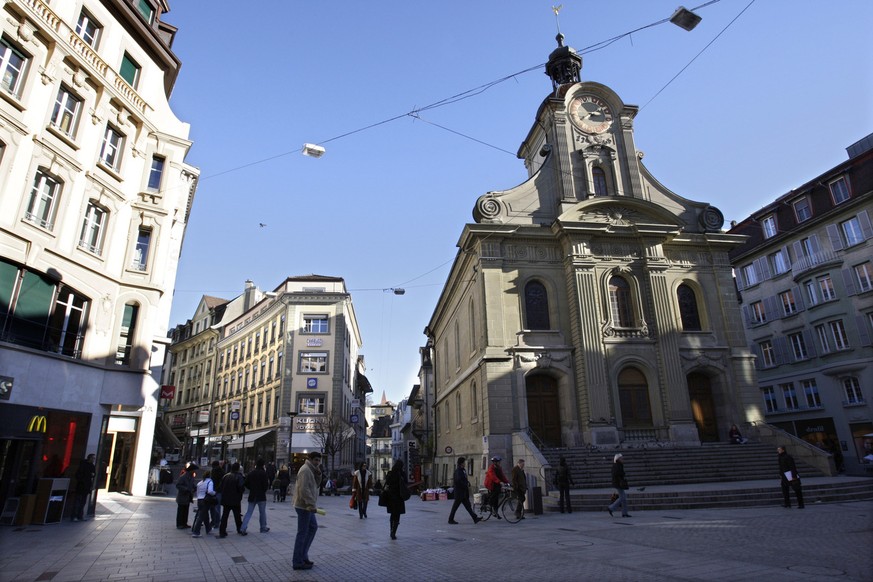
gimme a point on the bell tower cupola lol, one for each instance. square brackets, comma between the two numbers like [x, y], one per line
[565, 64]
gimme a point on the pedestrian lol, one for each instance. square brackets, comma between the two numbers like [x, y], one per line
[736, 437]
[271, 471]
[217, 476]
[494, 481]
[362, 482]
[305, 499]
[394, 495]
[231, 489]
[185, 486]
[619, 481]
[84, 483]
[284, 478]
[462, 492]
[563, 480]
[206, 500]
[788, 476]
[257, 484]
[519, 487]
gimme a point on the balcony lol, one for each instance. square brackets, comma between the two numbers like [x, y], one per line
[819, 259]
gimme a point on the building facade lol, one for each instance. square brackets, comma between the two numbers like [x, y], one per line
[95, 196]
[806, 280]
[589, 305]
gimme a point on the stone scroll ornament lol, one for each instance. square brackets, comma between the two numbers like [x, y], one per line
[488, 209]
[711, 219]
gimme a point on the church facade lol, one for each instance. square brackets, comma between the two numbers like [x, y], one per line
[589, 305]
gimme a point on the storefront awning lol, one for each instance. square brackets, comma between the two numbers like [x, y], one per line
[251, 437]
[165, 436]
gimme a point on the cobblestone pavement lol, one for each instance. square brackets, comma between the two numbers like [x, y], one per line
[134, 538]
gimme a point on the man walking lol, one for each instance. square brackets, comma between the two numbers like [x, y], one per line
[519, 488]
[305, 498]
[563, 480]
[462, 492]
[217, 476]
[257, 484]
[84, 483]
[231, 490]
[789, 477]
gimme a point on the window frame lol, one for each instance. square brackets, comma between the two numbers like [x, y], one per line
[804, 204]
[768, 354]
[621, 309]
[309, 323]
[14, 87]
[789, 395]
[852, 389]
[47, 212]
[839, 190]
[788, 302]
[111, 158]
[769, 226]
[799, 349]
[62, 112]
[810, 390]
[826, 288]
[864, 276]
[838, 333]
[156, 175]
[307, 358]
[85, 19]
[94, 226]
[780, 262]
[312, 404]
[128, 61]
[771, 404]
[140, 261]
[851, 230]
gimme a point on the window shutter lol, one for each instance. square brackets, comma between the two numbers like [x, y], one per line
[747, 315]
[772, 308]
[761, 268]
[834, 235]
[798, 250]
[738, 276]
[759, 356]
[813, 242]
[798, 298]
[780, 349]
[810, 344]
[849, 282]
[866, 227]
[863, 332]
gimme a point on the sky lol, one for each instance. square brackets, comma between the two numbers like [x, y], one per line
[773, 93]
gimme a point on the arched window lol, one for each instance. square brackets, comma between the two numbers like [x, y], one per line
[620, 302]
[688, 308]
[599, 177]
[633, 395]
[536, 306]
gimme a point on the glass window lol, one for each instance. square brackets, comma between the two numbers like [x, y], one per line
[839, 190]
[769, 226]
[156, 173]
[110, 151]
[838, 333]
[759, 313]
[316, 324]
[12, 67]
[536, 306]
[779, 262]
[313, 362]
[790, 395]
[823, 342]
[599, 177]
[91, 237]
[852, 231]
[65, 115]
[789, 306]
[802, 210]
[148, 12]
[620, 302]
[813, 400]
[864, 274]
[798, 346]
[768, 354]
[126, 334]
[688, 308]
[770, 404]
[853, 390]
[129, 70]
[458, 408]
[42, 206]
[633, 393]
[141, 252]
[826, 287]
[811, 295]
[310, 405]
[750, 275]
[88, 28]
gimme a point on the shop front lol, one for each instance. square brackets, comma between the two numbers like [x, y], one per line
[39, 443]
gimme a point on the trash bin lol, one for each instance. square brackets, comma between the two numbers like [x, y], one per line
[536, 500]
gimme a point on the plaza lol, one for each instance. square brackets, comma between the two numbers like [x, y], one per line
[134, 538]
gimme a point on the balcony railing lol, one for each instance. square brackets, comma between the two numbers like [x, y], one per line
[804, 264]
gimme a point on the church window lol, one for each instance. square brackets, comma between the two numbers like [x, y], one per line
[599, 177]
[688, 308]
[620, 302]
[536, 303]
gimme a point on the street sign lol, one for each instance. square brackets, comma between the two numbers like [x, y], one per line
[168, 392]
[234, 414]
[354, 419]
[312, 383]
[356, 403]
[235, 404]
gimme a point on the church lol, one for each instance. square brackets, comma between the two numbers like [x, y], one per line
[589, 306]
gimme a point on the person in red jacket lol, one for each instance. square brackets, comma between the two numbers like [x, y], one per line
[494, 480]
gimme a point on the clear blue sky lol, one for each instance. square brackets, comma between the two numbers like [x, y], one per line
[771, 103]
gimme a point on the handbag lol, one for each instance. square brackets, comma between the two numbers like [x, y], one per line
[210, 501]
[405, 493]
[383, 498]
[353, 503]
[614, 498]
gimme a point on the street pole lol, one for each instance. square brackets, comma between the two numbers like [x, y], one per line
[291, 416]
[244, 425]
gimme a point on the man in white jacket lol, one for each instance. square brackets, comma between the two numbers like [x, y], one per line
[305, 497]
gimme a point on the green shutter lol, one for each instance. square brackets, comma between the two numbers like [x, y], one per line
[128, 70]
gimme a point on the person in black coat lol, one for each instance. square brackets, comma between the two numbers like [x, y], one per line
[231, 490]
[284, 478]
[563, 480]
[619, 481]
[462, 492]
[258, 485]
[396, 493]
[789, 477]
[84, 482]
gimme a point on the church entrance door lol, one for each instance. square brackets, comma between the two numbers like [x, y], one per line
[703, 407]
[543, 412]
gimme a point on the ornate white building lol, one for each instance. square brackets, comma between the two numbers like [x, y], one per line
[94, 201]
[589, 305]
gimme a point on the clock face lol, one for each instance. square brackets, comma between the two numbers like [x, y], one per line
[590, 114]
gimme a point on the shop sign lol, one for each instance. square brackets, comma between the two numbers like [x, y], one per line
[314, 342]
[202, 416]
[38, 423]
[312, 383]
[6, 387]
[168, 392]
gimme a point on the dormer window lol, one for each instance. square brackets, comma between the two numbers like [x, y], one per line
[769, 226]
[802, 210]
[839, 190]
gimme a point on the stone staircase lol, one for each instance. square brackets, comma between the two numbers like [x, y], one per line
[664, 478]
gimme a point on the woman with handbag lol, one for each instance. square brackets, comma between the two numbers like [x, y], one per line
[394, 495]
[362, 482]
[206, 500]
[619, 481]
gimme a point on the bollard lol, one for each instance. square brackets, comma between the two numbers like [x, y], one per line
[536, 500]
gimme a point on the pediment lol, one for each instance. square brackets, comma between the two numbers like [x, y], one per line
[618, 214]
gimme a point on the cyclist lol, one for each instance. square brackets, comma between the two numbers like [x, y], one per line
[494, 480]
[519, 487]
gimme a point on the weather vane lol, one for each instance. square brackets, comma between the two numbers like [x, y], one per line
[557, 9]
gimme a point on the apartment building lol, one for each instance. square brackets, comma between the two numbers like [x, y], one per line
[806, 280]
[95, 196]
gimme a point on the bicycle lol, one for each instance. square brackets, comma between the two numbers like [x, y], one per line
[506, 505]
